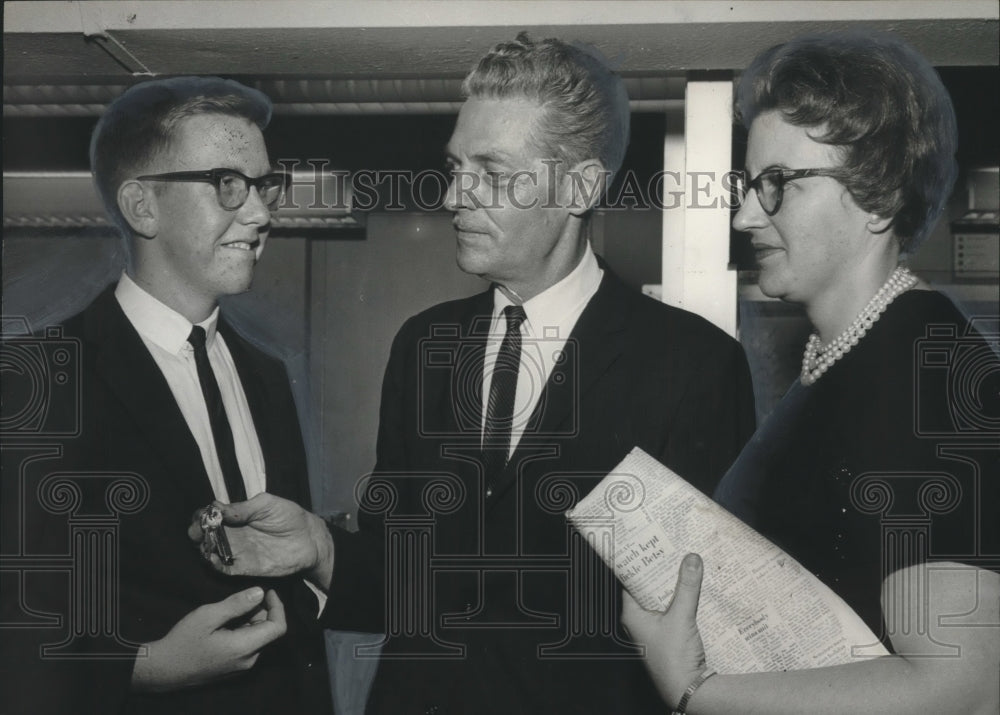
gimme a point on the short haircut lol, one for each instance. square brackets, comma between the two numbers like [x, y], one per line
[139, 125]
[877, 100]
[586, 105]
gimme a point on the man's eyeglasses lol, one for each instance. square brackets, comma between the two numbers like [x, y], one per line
[770, 184]
[231, 187]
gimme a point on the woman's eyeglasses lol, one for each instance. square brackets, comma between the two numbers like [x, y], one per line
[231, 187]
[770, 184]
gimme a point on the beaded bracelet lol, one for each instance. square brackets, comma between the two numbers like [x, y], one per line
[682, 704]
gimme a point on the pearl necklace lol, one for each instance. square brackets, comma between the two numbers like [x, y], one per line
[818, 358]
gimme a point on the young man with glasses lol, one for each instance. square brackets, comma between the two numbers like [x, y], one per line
[171, 394]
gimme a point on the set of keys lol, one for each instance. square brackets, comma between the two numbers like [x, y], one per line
[214, 540]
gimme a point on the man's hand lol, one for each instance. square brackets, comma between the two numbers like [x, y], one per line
[675, 654]
[205, 645]
[270, 536]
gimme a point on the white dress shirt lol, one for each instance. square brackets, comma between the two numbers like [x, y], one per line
[551, 317]
[165, 332]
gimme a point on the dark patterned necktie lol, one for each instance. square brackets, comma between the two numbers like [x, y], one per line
[221, 431]
[500, 406]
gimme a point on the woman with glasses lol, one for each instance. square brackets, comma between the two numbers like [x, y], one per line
[878, 471]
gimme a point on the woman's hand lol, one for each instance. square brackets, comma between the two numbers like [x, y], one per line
[675, 654]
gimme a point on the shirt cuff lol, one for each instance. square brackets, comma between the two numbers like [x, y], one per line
[320, 597]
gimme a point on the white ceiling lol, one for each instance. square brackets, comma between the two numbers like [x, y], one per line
[401, 46]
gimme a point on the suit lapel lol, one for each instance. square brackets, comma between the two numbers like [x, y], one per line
[123, 362]
[455, 372]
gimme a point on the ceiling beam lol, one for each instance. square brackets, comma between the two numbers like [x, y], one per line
[51, 43]
[64, 16]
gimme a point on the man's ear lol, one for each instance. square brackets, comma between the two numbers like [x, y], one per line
[138, 205]
[584, 185]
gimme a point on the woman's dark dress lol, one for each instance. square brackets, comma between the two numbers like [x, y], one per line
[891, 458]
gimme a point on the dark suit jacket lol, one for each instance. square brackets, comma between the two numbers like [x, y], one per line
[520, 617]
[130, 427]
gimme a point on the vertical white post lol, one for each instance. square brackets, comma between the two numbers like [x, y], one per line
[673, 199]
[696, 274]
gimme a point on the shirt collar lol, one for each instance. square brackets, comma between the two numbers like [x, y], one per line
[550, 307]
[159, 324]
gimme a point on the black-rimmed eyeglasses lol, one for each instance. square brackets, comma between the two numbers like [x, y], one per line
[770, 184]
[231, 187]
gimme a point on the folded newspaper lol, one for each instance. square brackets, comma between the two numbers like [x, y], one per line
[760, 610]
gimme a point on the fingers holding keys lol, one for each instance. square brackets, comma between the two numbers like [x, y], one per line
[215, 540]
[231, 515]
[241, 513]
[206, 529]
[195, 532]
[268, 536]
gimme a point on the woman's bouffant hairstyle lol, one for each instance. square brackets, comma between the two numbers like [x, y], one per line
[881, 104]
[587, 112]
[139, 125]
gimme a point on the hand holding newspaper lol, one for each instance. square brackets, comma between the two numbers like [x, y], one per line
[760, 609]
